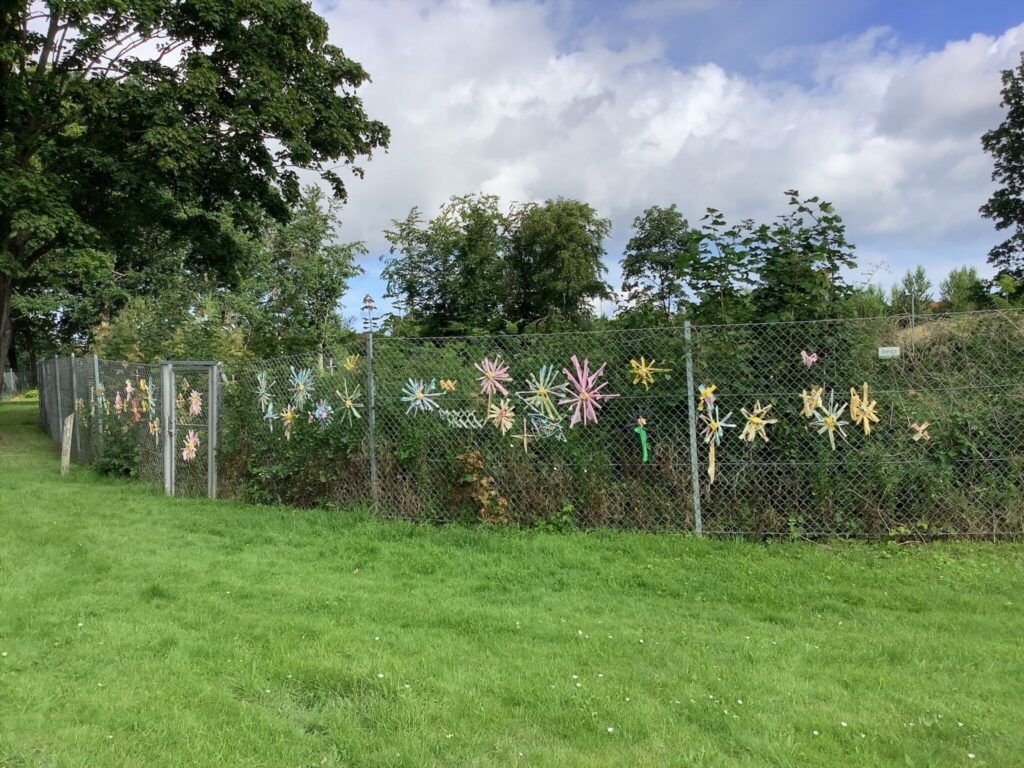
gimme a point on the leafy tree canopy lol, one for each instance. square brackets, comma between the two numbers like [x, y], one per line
[142, 115]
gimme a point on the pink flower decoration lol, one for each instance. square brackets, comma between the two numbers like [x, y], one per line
[808, 359]
[494, 373]
[188, 452]
[587, 397]
[195, 403]
[118, 403]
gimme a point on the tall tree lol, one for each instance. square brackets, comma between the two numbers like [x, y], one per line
[555, 267]
[1006, 205]
[140, 114]
[658, 259]
[963, 291]
[446, 274]
[913, 293]
[800, 259]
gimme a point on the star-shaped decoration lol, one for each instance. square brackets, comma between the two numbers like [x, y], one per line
[920, 431]
[524, 437]
[643, 372]
[862, 409]
[756, 422]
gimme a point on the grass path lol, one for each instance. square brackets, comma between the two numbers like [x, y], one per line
[137, 630]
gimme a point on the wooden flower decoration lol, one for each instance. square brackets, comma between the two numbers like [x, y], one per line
[118, 403]
[351, 402]
[420, 395]
[263, 390]
[288, 421]
[495, 376]
[863, 409]
[448, 385]
[524, 437]
[586, 394]
[811, 401]
[542, 391]
[829, 420]
[502, 414]
[154, 430]
[714, 428]
[920, 431]
[128, 389]
[705, 397]
[643, 372]
[190, 446]
[757, 421]
[195, 403]
[351, 361]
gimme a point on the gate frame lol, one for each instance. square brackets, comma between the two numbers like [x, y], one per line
[168, 372]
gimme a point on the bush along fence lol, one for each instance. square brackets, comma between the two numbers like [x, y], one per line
[885, 427]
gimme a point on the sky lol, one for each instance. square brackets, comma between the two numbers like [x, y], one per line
[877, 106]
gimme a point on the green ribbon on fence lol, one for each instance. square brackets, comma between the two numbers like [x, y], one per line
[639, 429]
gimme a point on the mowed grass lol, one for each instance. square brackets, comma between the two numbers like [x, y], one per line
[137, 630]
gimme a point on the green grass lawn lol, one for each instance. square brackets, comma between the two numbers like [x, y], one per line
[137, 630]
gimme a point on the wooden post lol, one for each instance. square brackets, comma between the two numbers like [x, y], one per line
[698, 525]
[65, 443]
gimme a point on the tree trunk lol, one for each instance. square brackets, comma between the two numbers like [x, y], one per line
[6, 326]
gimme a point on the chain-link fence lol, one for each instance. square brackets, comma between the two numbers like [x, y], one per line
[16, 381]
[896, 426]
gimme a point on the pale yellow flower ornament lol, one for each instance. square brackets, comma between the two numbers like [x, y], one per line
[921, 431]
[351, 361]
[862, 409]
[448, 385]
[811, 401]
[756, 422]
[643, 372]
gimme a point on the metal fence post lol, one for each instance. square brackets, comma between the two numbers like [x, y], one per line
[60, 404]
[698, 525]
[167, 414]
[212, 430]
[97, 388]
[74, 408]
[371, 423]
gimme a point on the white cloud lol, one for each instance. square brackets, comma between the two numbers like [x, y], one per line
[480, 97]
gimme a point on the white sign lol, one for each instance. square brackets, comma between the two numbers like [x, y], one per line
[888, 353]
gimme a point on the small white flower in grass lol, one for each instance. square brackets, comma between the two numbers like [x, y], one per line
[81, 624]
[376, 638]
[407, 686]
[448, 735]
[99, 685]
[573, 677]
[863, 736]
[641, 642]
[959, 725]
[267, 691]
[739, 701]
[814, 732]
[612, 730]
[579, 685]
[843, 724]
[4, 654]
[599, 674]
[380, 675]
[970, 755]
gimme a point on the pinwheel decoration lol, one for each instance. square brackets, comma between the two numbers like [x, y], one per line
[863, 409]
[191, 446]
[643, 372]
[542, 391]
[714, 428]
[287, 421]
[920, 431]
[757, 421]
[811, 401]
[195, 403]
[322, 413]
[705, 396]
[301, 386]
[351, 361]
[808, 358]
[351, 401]
[495, 376]
[502, 414]
[420, 396]
[829, 420]
[263, 396]
[585, 395]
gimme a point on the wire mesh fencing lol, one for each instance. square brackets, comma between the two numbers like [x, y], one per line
[886, 427]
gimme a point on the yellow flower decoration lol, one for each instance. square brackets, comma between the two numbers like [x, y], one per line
[921, 432]
[862, 409]
[756, 422]
[812, 401]
[503, 414]
[448, 385]
[643, 372]
[706, 396]
[351, 362]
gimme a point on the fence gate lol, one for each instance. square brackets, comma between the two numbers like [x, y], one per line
[191, 403]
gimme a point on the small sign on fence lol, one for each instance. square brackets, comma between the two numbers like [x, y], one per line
[888, 353]
[65, 443]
